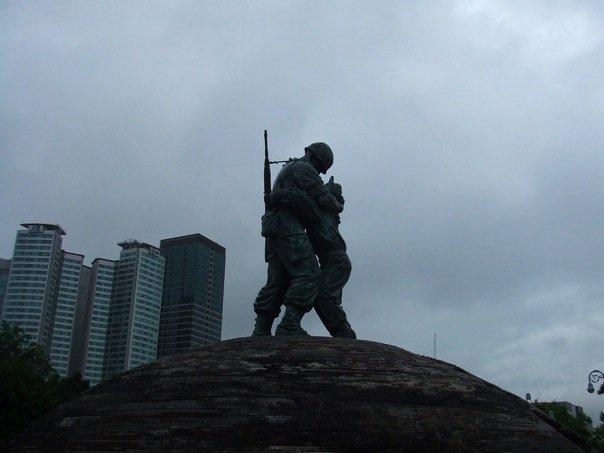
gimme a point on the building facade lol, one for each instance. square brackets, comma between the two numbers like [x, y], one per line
[62, 331]
[135, 308]
[80, 324]
[191, 312]
[105, 319]
[4, 271]
[97, 319]
[33, 281]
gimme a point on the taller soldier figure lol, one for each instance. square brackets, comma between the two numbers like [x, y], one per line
[293, 272]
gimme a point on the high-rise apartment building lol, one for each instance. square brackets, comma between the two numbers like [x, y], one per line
[97, 319]
[4, 271]
[135, 307]
[104, 319]
[191, 312]
[33, 282]
[64, 312]
[80, 324]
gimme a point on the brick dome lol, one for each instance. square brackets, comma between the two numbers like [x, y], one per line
[296, 394]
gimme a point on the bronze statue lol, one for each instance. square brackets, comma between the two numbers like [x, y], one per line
[300, 222]
[330, 248]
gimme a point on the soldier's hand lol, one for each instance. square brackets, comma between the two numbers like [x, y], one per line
[337, 192]
[329, 185]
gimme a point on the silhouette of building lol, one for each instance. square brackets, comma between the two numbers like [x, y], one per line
[135, 308]
[191, 312]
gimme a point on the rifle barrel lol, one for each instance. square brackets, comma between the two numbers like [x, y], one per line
[267, 171]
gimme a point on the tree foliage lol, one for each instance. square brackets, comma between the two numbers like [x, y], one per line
[29, 386]
[597, 437]
[577, 424]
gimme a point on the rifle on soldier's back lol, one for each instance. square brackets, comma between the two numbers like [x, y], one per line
[267, 170]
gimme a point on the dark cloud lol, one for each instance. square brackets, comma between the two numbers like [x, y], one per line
[467, 137]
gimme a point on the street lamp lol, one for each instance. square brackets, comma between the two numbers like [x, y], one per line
[594, 377]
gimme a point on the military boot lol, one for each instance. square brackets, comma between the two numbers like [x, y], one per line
[290, 324]
[263, 326]
[344, 332]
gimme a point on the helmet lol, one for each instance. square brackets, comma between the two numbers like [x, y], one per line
[323, 153]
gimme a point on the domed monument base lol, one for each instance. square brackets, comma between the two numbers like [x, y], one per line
[297, 394]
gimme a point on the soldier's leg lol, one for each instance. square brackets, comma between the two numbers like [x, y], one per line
[270, 298]
[297, 256]
[335, 271]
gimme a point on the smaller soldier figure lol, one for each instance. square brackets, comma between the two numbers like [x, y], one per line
[330, 248]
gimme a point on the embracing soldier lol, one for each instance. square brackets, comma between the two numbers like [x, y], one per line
[330, 248]
[301, 220]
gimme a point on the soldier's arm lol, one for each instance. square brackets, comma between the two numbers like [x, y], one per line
[336, 191]
[308, 180]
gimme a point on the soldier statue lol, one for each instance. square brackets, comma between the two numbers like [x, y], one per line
[301, 221]
[330, 248]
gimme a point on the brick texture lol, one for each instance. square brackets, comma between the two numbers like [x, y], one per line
[297, 394]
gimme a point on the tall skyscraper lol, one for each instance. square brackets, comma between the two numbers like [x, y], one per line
[4, 271]
[65, 309]
[33, 281]
[191, 312]
[80, 323]
[97, 319]
[135, 307]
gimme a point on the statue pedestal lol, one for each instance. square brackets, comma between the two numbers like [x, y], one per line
[297, 394]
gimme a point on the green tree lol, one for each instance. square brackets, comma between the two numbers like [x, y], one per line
[577, 424]
[29, 386]
[596, 440]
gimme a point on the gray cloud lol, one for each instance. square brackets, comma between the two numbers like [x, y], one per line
[467, 137]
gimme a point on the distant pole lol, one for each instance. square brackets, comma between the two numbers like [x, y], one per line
[435, 345]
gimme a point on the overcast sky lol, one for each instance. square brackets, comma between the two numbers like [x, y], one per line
[467, 137]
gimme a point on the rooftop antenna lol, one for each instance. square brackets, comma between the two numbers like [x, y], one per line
[435, 345]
